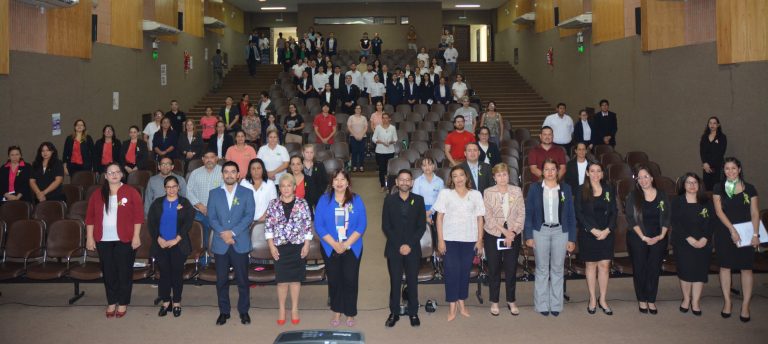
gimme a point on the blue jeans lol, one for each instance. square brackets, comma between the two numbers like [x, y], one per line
[357, 150]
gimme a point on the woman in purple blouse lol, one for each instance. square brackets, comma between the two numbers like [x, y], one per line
[288, 232]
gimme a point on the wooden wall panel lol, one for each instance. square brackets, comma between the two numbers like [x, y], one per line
[607, 20]
[742, 31]
[663, 24]
[28, 28]
[214, 9]
[193, 18]
[69, 30]
[126, 28]
[700, 24]
[234, 17]
[504, 20]
[104, 13]
[545, 15]
[5, 37]
[569, 9]
[167, 12]
[629, 17]
[522, 7]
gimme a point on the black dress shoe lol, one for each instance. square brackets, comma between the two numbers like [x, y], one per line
[222, 319]
[725, 315]
[544, 313]
[555, 313]
[643, 310]
[591, 310]
[245, 319]
[415, 322]
[653, 311]
[683, 309]
[176, 312]
[606, 310]
[391, 320]
[164, 310]
[696, 313]
[744, 319]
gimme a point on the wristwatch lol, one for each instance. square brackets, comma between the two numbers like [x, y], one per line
[346, 247]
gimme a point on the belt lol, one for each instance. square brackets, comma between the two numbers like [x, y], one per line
[551, 225]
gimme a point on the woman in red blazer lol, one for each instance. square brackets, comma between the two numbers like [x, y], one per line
[113, 222]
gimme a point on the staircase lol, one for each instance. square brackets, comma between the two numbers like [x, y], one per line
[515, 99]
[236, 82]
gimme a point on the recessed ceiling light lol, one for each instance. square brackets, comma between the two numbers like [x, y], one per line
[468, 6]
[272, 8]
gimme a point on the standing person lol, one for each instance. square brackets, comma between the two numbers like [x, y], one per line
[252, 126]
[133, 151]
[443, 92]
[403, 220]
[152, 128]
[281, 44]
[229, 114]
[460, 212]
[113, 223]
[411, 91]
[562, 127]
[450, 55]
[201, 181]
[271, 124]
[244, 104]
[365, 45]
[169, 220]
[459, 88]
[252, 57]
[348, 93]
[428, 186]
[265, 107]
[325, 126]
[385, 138]
[14, 177]
[423, 56]
[735, 204]
[712, 147]
[411, 38]
[376, 43]
[489, 151]
[165, 140]
[376, 90]
[605, 125]
[156, 184]
[331, 45]
[190, 145]
[479, 173]
[218, 70]
[288, 232]
[596, 221]
[550, 230]
[469, 113]
[106, 150]
[427, 90]
[692, 219]
[456, 141]
[376, 117]
[319, 80]
[221, 141]
[240, 153]
[264, 191]
[296, 169]
[357, 125]
[293, 126]
[274, 155]
[340, 221]
[47, 174]
[504, 218]
[208, 124]
[177, 117]
[492, 119]
[231, 209]
[264, 48]
[576, 169]
[545, 150]
[328, 98]
[583, 131]
[78, 150]
[395, 91]
[306, 90]
[315, 175]
[648, 217]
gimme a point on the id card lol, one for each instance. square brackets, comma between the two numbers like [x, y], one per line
[340, 219]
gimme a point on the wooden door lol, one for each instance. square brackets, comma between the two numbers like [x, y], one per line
[461, 41]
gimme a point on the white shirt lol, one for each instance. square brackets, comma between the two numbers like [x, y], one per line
[377, 89]
[298, 69]
[368, 79]
[109, 223]
[460, 214]
[150, 131]
[388, 135]
[273, 158]
[266, 192]
[263, 108]
[357, 78]
[437, 69]
[587, 131]
[230, 195]
[423, 57]
[582, 167]
[337, 80]
[451, 54]
[263, 43]
[319, 80]
[219, 146]
[562, 128]
[550, 199]
[331, 43]
[442, 90]
[459, 89]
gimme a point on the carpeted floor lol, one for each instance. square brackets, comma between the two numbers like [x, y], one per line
[38, 313]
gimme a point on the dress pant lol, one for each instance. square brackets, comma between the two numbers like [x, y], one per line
[710, 179]
[280, 55]
[550, 268]
[375, 100]
[343, 272]
[357, 149]
[498, 260]
[646, 263]
[457, 263]
[170, 262]
[396, 265]
[218, 77]
[382, 160]
[239, 262]
[117, 259]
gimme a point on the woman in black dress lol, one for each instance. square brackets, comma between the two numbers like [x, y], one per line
[648, 216]
[712, 150]
[735, 202]
[692, 239]
[47, 174]
[596, 215]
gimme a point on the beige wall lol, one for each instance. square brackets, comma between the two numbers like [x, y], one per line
[269, 19]
[43, 84]
[662, 99]
[426, 17]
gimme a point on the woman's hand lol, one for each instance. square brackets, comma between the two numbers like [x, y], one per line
[479, 248]
[735, 237]
[570, 246]
[604, 234]
[441, 247]
[275, 253]
[339, 248]
[135, 242]
[305, 250]
[596, 232]
[509, 238]
[40, 196]
[90, 244]
[162, 242]
[755, 241]
[693, 242]
[706, 167]
[530, 243]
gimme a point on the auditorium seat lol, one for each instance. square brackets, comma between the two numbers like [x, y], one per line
[411, 155]
[522, 134]
[667, 185]
[599, 150]
[512, 144]
[636, 157]
[436, 153]
[77, 211]
[208, 272]
[420, 146]
[261, 251]
[340, 150]
[293, 148]
[622, 263]
[316, 272]
[611, 158]
[414, 117]
[445, 125]
[12, 211]
[83, 178]
[406, 126]
[140, 177]
[427, 126]
[64, 238]
[421, 109]
[333, 165]
[623, 188]
[432, 116]
[322, 154]
[50, 211]
[72, 192]
[619, 170]
[669, 263]
[143, 253]
[3, 229]
[90, 190]
[653, 167]
[23, 242]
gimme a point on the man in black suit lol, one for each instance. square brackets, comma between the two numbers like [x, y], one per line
[349, 93]
[336, 79]
[606, 125]
[411, 91]
[479, 173]
[584, 131]
[395, 91]
[385, 76]
[311, 68]
[404, 222]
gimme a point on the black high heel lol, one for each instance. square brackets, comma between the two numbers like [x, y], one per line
[592, 310]
[164, 310]
[606, 310]
[744, 319]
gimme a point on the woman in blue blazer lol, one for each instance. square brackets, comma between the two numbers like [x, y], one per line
[550, 229]
[340, 222]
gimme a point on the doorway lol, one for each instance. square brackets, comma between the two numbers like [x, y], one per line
[479, 37]
[275, 34]
[461, 40]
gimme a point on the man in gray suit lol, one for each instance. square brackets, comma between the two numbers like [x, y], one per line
[479, 172]
[230, 212]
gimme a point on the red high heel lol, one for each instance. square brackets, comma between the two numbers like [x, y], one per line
[111, 314]
[119, 314]
[280, 322]
[295, 321]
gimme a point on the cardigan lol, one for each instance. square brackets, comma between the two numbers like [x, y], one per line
[494, 155]
[294, 230]
[184, 219]
[325, 223]
[86, 150]
[534, 211]
[141, 152]
[494, 210]
[130, 212]
[21, 183]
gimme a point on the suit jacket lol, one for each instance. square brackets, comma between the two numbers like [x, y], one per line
[572, 174]
[99, 147]
[411, 94]
[395, 92]
[141, 152]
[585, 211]
[448, 96]
[309, 86]
[332, 103]
[86, 150]
[605, 126]
[493, 152]
[494, 210]
[578, 134]
[311, 71]
[317, 184]
[332, 82]
[484, 176]
[415, 221]
[237, 219]
[271, 108]
[351, 95]
[183, 146]
[385, 78]
[20, 185]
[233, 112]
[331, 50]
[184, 218]
[228, 142]
[534, 211]
[426, 92]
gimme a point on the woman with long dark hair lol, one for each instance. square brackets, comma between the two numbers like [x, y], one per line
[164, 141]
[264, 191]
[133, 151]
[648, 216]
[78, 150]
[47, 174]
[14, 177]
[736, 203]
[712, 148]
[692, 216]
[340, 221]
[113, 223]
[107, 149]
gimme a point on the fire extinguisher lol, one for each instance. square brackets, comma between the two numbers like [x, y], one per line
[550, 57]
[186, 62]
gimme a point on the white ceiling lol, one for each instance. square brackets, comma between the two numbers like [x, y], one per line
[292, 5]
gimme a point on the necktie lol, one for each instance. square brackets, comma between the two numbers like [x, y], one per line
[474, 175]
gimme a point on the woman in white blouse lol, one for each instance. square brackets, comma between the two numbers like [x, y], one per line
[320, 79]
[385, 138]
[274, 156]
[436, 66]
[264, 191]
[423, 56]
[460, 212]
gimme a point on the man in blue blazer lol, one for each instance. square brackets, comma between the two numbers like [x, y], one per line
[230, 212]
